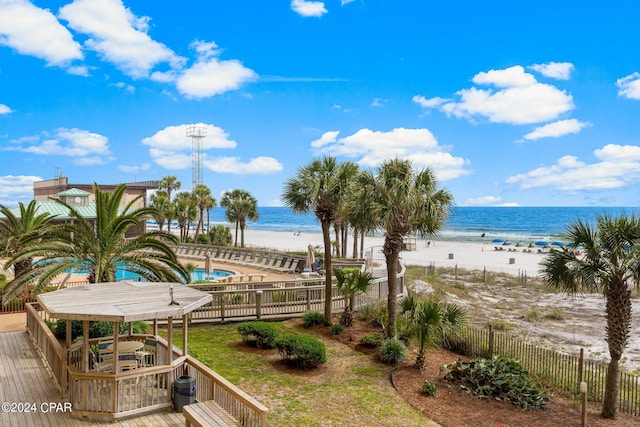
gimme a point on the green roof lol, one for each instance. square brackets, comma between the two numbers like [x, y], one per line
[73, 192]
[60, 211]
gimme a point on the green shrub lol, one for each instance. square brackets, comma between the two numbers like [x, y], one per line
[220, 235]
[305, 351]
[373, 339]
[393, 351]
[337, 329]
[429, 388]
[500, 378]
[312, 318]
[3, 278]
[97, 329]
[264, 333]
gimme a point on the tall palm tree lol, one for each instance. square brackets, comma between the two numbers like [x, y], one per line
[405, 202]
[16, 231]
[162, 204]
[359, 206]
[169, 183]
[100, 246]
[204, 201]
[241, 206]
[610, 261]
[186, 211]
[349, 173]
[317, 187]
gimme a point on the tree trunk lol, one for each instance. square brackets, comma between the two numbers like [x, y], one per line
[612, 384]
[344, 229]
[327, 271]
[362, 244]
[337, 233]
[242, 225]
[355, 243]
[236, 241]
[391, 254]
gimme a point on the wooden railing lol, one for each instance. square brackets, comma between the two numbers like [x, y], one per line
[48, 345]
[212, 386]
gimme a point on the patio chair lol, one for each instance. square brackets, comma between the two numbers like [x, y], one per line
[104, 354]
[147, 356]
[127, 362]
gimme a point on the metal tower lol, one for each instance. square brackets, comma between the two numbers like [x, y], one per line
[196, 133]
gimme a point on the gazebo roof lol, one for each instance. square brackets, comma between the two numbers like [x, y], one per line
[122, 301]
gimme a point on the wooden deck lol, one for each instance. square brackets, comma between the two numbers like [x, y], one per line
[24, 379]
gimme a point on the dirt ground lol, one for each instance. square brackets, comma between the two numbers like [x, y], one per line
[13, 322]
[453, 408]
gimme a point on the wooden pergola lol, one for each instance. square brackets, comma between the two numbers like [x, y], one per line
[127, 302]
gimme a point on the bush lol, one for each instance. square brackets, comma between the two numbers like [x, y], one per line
[264, 333]
[312, 318]
[393, 351]
[373, 339]
[305, 351]
[220, 235]
[97, 329]
[429, 388]
[499, 378]
[337, 329]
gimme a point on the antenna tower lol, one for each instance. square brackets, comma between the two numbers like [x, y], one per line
[196, 133]
[58, 174]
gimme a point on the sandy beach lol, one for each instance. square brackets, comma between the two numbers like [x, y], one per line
[467, 255]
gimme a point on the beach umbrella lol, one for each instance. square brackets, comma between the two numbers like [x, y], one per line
[207, 262]
[541, 243]
[497, 241]
[311, 257]
[560, 244]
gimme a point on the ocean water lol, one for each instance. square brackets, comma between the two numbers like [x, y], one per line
[465, 223]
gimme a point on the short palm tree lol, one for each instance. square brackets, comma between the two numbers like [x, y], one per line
[350, 282]
[17, 231]
[317, 187]
[185, 212]
[241, 206]
[405, 202]
[161, 203]
[100, 246]
[611, 260]
[169, 183]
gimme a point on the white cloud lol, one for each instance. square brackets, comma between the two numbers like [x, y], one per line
[371, 148]
[629, 86]
[125, 86]
[87, 148]
[617, 166]
[516, 99]
[556, 129]
[343, 2]
[428, 103]
[171, 149]
[209, 75]
[326, 138]
[118, 36]
[378, 102]
[256, 166]
[308, 8]
[555, 70]
[14, 189]
[134, 169]
[4, 109]
[36, 32]
[483, 200]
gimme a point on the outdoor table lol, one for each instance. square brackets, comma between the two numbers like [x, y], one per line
[127, 346]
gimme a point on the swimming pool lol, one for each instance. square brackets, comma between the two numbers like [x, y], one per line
[198, 274]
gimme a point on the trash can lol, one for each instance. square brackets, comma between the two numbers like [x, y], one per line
[184, 392]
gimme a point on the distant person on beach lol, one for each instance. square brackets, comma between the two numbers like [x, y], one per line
[482, 235]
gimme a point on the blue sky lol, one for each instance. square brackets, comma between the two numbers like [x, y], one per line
[511, 104]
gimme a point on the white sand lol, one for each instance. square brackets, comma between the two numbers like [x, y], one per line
[466, 255]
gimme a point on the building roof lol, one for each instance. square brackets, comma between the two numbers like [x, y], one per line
[123, 301]
[72, 192]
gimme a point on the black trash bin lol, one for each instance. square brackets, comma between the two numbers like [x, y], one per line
[184, 392]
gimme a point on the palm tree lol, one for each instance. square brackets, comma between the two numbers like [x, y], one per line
[431, 322]
[186, 211]
[169, 183]
[16, 232]
[610, 261]
[359, 205]
[405, 202]
[350, 282]
[162, 204]
[240, 205]
[317, 187]
[204, 201]
[100, 246]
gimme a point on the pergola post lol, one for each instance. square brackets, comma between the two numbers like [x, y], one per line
[184, 334]
[170, 340]
[116, 332]
[85, 344]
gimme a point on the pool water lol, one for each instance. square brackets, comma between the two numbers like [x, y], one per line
[198, 274]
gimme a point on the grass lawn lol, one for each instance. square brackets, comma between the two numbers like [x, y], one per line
[350, 389]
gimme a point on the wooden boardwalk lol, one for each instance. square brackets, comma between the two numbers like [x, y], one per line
[25, 381]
